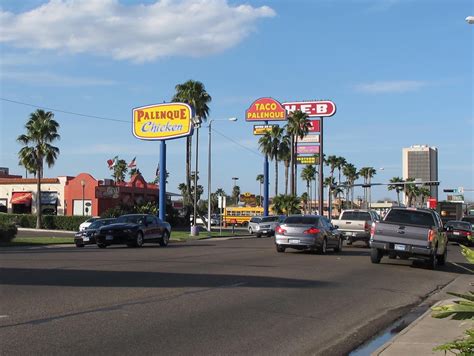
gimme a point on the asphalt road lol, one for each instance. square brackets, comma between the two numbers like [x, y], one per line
[203, 298]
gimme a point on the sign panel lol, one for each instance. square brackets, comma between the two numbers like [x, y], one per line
[314, 126]
[162, 121]
[261, 129]
[312, 108]
[309, 139]
[107, 192]
[306, 160]
[307, 149]
[265, 109]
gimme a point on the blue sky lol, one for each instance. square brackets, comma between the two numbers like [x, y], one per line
[399, 71]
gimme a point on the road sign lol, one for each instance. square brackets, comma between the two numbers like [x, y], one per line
[309, 139]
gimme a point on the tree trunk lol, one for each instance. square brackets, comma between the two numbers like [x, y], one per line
[38, 197]
[286, 178]
[292, 164]
[295, 193]
[276, 177]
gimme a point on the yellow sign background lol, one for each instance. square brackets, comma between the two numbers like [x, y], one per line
[162, 121]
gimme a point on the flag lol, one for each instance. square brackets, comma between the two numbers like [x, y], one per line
[112, 162]
[132, 164]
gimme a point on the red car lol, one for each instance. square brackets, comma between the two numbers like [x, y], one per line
[459, 231]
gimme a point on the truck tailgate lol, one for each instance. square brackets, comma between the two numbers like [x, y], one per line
[350, 225]
[403, 234]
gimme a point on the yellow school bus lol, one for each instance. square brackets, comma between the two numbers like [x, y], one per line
[241, 215]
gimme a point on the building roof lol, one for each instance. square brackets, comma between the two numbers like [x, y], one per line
[28, 180]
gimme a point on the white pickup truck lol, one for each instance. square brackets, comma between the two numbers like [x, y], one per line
[355, 224]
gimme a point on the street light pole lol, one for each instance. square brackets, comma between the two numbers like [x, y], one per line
[83, 184]
[209, 171]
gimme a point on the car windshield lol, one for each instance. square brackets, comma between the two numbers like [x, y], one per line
[134, 219]
[98, 223]
[270, 218]
[302, 220]
[355, 215]
[255, 220]
[411, 217]
[459, 225]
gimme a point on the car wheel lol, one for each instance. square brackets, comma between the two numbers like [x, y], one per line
[375, 255]
[259, 235]
[339, 246]
[101, 245]
[324, 247]
[79, 245]
[433, 260]
[250, 231]
[349, 241]
[280, 248]
[442, 259]
[367, 244]
[392, 256]
[165, 239]
[139, 239]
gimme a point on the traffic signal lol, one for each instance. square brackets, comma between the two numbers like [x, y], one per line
[432, 183]
[450, 190]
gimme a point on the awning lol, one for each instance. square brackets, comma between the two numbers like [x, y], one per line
[49, 198]
[21, 198]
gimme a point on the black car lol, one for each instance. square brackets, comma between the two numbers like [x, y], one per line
[87, 236]
[459, 231]
[134, 230]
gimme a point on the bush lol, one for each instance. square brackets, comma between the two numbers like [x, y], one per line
[7, 232]
[52, 222]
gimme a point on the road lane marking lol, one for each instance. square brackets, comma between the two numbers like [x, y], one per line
[467, 269]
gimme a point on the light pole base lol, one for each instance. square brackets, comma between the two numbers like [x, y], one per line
[194, 230]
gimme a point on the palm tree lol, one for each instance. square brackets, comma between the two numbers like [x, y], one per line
[193, 93]
[304, 200]
[397, 187]
[334, 190]
[308, 174]
[284, 154]
[331, 162]
[367, 173]
[41, 131]
[260, 180]
[269, 144]
[297, 127]
[286, 204]
[340, 163]
[424, 192]
[411, 191]
[350, 171]
[120, 169]
[236, 193]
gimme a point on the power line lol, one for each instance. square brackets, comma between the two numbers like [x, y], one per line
[64, 111]
[237, 143]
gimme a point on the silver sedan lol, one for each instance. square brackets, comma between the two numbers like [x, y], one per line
[307, 232]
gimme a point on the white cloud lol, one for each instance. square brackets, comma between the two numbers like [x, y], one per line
[396, 86]
[138, 33]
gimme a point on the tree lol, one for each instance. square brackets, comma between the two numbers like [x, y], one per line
[334, 190]
[260, 180]
[304, 200]
[397, 187]
[286, 204]
[340, 163]
[193, 93]
[297, 127]
[134, 171]
[284, 155]
[424, 192]
[236, 193]
[269, 144]
[367, 173]
[308, 174]
[411, 191]
[350, 171]
[120, 170]
[41, 131]
[331, 162]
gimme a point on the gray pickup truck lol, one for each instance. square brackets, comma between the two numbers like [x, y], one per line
[409, 232]
[355, 224]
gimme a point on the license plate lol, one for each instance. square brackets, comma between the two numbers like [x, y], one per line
[85, 239]
[109, 237]
[294, 241]
[399, 247]
[264, 231]
[456, 233]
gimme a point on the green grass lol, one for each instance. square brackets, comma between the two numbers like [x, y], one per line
[42, 241]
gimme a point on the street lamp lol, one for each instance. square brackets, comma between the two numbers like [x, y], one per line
[233, 119]
[83, 184]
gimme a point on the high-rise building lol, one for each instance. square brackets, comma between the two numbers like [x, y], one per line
[421, 163]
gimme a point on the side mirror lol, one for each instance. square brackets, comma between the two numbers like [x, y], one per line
[448, 228]
[336, 227]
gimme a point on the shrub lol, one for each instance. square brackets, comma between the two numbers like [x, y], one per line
[7, 232]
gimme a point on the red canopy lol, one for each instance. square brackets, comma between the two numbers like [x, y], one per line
[21, 198]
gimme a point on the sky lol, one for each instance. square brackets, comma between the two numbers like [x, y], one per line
[399, 71]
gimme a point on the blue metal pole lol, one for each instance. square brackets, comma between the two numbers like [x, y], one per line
[162, 190]
[265, 184]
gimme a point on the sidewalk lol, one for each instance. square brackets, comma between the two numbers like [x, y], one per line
[425, 333]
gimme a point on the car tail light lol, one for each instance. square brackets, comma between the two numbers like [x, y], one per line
[372, 230]
[280, 230]
[366, 226]
[465, 233]
[431, 235]
[312, 231]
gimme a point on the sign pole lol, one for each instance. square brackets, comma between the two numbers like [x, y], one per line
[265, 184]
[162, 190]
[321, 166]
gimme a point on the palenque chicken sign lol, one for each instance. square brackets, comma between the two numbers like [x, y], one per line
[162, 121]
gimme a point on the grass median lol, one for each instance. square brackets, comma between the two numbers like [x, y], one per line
[180, 236]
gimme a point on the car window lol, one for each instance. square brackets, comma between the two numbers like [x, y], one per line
[134, 219]
[255, 220]
[355, 215]
[269, 219]
[411, 217]
[302, 220]
[150, 220]
[459, 225]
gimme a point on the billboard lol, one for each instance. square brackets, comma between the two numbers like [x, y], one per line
[311, 149]
[315, 127]
[306, 160]
[162, 121]
[309, 139]
[265, 109]
[261, 129]
[316, 108]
